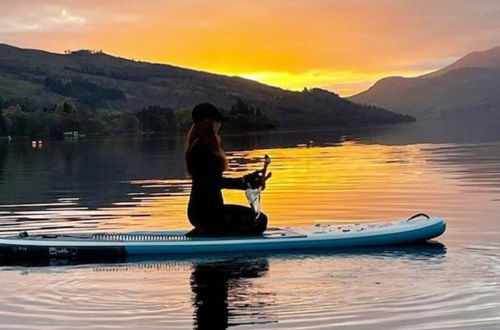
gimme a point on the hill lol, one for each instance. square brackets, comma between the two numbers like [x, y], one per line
[468, 89]
[94, 80]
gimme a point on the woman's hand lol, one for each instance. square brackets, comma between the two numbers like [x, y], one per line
[254, 179]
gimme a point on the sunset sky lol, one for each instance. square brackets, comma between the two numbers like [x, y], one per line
[340, 45]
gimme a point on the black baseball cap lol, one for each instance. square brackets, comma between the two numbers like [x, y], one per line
[204, 111]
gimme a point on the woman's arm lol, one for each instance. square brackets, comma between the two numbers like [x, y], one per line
[252, 180]
[233, 183]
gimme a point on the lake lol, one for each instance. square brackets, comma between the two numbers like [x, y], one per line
[341, 176]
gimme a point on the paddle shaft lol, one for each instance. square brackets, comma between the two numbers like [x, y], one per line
[267, 161]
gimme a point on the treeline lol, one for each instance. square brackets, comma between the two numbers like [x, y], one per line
[63, 117]
[23, 120]
[244, 116]
[67, 117]
[83, 91]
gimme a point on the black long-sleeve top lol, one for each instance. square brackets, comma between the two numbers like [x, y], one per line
[205, 202]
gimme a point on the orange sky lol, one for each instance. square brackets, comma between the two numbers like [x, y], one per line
[343, 46]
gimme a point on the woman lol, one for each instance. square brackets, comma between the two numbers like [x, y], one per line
[205, 163]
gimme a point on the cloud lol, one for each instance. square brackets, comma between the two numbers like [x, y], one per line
[27, 16]
[295, 42]
[48, 18]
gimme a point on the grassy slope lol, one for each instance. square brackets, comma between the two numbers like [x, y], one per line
[12, 86]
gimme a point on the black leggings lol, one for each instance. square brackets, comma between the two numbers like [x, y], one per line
[236, 220]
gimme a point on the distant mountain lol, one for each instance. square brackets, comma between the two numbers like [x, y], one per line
[468, 89]
[480, 59]
[98, 80]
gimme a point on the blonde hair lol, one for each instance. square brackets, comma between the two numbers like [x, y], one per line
[204, 132]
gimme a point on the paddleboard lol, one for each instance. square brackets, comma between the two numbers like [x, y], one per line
[320, 236]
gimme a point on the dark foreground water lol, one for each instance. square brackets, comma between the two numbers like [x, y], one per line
[362, 175]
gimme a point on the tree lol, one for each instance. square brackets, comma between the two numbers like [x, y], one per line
[16, 120]
[68, 117]
[126, 122]
[156, 119]
[241, 108]
[244, 116]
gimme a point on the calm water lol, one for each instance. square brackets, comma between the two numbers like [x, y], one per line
[363, 175]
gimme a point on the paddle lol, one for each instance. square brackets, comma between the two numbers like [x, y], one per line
[265, 176]
[253, 195]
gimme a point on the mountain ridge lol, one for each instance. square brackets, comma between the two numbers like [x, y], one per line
[99, 77]
[467, 88]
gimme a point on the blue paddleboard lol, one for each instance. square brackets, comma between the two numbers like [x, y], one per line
[320, 236]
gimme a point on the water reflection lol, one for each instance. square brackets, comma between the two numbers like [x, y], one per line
[224, 290]
[218, 286]
[243, 261]
[255, 290]
[477, 165]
